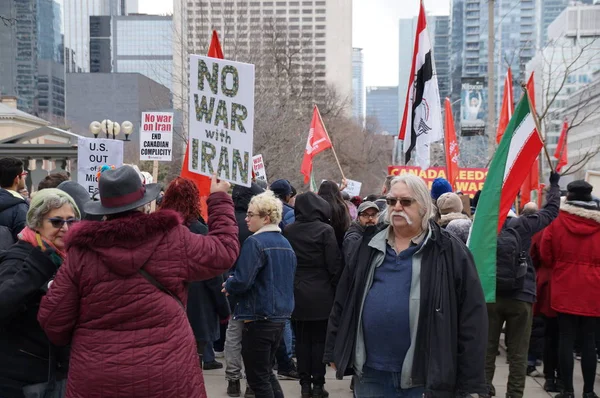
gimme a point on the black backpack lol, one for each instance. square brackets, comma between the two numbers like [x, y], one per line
[511, 261]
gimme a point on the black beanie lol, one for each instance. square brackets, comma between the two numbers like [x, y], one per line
[579, 191]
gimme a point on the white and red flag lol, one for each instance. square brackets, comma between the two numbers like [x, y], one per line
[422, 119]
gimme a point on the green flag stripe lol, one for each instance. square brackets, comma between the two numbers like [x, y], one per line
[484, 233]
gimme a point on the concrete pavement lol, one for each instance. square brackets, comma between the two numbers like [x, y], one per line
[216, 385]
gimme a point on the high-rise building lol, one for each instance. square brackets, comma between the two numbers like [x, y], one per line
[315, 37]
[358, 84]
[77, 29]
[440, 32]
[566, 64]
[382, 105]
[31, 62]
[457, 48]
[133, 43]
[550, 10]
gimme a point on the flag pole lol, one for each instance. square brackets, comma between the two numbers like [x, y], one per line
[538, 127]
[332, 147]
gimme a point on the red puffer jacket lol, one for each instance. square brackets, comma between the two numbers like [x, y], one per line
[129, 339]
[570, 246]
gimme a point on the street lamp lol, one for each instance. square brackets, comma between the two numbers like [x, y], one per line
[111, 128]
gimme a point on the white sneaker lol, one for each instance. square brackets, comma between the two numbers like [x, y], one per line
[219, 354]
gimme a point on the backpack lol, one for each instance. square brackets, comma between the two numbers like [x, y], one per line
[511, 261]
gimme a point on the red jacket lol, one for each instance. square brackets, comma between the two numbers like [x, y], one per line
[129, 339]
[570, 246]
[543, 277]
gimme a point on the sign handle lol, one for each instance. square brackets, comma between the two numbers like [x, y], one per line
[155, 179]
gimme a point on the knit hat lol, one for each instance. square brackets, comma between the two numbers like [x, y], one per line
[439, 187]
[460, 229]
[41, 196]
[281, 188]
[77, 192]
[579, 190]
[449, 203]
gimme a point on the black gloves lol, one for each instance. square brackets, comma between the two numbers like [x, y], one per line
[554, 178]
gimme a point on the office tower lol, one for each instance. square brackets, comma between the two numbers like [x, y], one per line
[358, 84]
[382, 105]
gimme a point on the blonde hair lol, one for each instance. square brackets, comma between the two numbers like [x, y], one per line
[268, 205]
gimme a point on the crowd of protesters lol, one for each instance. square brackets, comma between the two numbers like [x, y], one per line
[104, 297]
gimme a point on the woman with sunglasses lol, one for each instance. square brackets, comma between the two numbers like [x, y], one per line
[27, 267]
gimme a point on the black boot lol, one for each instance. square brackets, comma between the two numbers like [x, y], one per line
[589, 395]
[565, 394]
[319, 391]
[550, 386]
[306, 390]
[233, 388]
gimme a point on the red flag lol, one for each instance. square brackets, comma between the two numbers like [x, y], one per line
[318, 141]
[202, 182]
[451, 145]
[508, 106]
[561, 149]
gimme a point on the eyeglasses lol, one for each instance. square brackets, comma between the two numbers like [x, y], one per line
[24, 174]
[250, 215]
[59, 222]
[405, 202]
[369, 216]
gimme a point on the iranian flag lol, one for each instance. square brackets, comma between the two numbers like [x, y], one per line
[518, 149]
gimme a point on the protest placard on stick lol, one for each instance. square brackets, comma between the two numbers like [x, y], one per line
[92, 154]
[221, 122]
[156, 136]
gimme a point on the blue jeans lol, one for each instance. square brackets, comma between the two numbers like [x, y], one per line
[380, 384]
[209, 353]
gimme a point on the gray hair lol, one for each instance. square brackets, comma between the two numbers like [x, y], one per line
[35, 216]
[421, 194]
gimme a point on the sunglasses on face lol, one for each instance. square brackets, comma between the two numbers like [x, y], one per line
[405, 202]
[59, 222]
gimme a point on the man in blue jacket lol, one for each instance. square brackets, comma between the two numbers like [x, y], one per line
[13, 207]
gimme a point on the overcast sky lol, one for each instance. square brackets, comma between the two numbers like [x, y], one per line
[375, 30]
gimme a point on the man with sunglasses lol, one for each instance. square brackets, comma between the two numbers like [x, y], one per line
[13, 207]
[409, 318]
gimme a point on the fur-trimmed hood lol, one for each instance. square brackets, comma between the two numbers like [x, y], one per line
[446, 218]
[578, 219]
[124, 244]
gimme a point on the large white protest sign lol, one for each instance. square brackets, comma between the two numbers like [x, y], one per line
[353, 188]
[93, 153]
[221, 118]
[156, 136]
[258, 165]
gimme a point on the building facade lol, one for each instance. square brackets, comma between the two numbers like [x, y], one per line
[133, 44]
[358, 84]
[382, 105]
[566, 65]
[408, 27]
[77, 28]
[440, 33]
[314, 35]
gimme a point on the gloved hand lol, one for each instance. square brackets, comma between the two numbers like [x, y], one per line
[554, 178]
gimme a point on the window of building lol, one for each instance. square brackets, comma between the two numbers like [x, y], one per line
[320, 19]
[307, 3]
[294, 19]
[294, 11]
[307, 11]
[307, 19]
[281, 11]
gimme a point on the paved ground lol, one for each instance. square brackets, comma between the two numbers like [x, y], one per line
[216, 385]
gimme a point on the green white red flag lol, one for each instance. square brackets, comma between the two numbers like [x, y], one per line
[512, 161]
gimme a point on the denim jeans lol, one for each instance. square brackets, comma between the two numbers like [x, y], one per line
[284, 351]
[233, 350]
[259, 343]
[209, 352]
[380, 384]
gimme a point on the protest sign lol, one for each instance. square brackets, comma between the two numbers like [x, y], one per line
[353, 188]
[259, 167]
[93, 153]
[469, 180]
[221, 118]
[156, 136]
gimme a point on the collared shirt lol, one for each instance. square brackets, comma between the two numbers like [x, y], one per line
[15, 194]
[414, 241]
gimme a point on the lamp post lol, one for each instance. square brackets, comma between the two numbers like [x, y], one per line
[111, 129]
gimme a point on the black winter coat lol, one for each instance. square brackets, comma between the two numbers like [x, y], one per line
[206, 304]
[452, 335]
[24, 348]
[241, 199]
[319, 258]
[13, 212]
